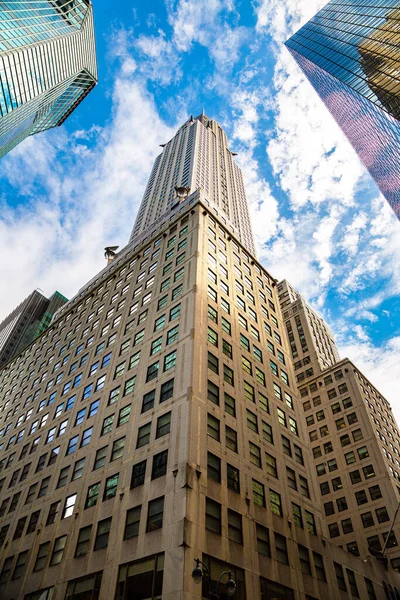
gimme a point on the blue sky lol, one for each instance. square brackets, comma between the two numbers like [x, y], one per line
[319, 219]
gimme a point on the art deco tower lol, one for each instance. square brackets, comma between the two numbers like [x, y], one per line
[47, 65]
[350, 53]
[198, 157]
[157, 421]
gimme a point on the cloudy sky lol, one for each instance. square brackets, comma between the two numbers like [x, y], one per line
[319, 219]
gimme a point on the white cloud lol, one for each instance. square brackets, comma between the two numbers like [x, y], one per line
[380, 365]
[57, 242]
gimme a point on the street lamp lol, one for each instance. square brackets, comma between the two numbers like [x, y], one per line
[197, 574]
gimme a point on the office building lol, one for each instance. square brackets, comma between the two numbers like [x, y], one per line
[47, 65]
[354, 439]
[349, 53]
[28, 320]
[155, 422]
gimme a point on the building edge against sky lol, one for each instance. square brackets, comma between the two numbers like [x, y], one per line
[158, 420]
[47, 65]
[353, 63]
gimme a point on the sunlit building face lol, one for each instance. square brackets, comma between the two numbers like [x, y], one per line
[349, 53]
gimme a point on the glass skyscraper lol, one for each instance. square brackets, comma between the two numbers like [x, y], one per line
[349, 51]
[47, 64]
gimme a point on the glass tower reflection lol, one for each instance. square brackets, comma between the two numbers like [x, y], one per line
[350, 52]
[47, 64]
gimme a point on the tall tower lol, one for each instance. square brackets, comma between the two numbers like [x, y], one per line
[198, 157]
[47, 65]
[352, 61]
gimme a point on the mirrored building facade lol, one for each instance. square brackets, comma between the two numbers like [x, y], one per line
[47, 65]
[349, 51]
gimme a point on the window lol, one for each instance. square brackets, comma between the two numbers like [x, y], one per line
[163, 425]
[155, 514]
[123, 415]
[42, 490]
[167, 390]
[255, 454]
[258, 493]
[19, 568]
[281, 549]
[213, 467]
[100, 459]
[159, 464]
[41, 556]
[69, 506]
[132, 522]
[152, 371]
[102, 534]
[235, 532]
[86, 437]
[382, 515]
[319, 566]
[213, 516]
[271, 465]
[252, 422]
[263, 542]
[148, 401]
[228, 375]
[143, 435]
[53, 512]
[117, 449]
[304, 557]
[275, 502]
[78, 469]
[212, 363]
[231, 438]
[110, 490]
[291, 478]
[92, 495]
[233, 478]
[170, 361]
[58, 550]
[82, 545]
[367, 519]
[138, 474]
[107, 425]
[213, 427]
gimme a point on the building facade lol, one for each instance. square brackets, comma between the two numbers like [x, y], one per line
[47, 65]
[197, 157]
[158, 421]
[312, 344]
[28, 320]
[354, 438]
[349, 53]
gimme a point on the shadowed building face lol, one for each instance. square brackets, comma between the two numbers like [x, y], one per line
[47, 65]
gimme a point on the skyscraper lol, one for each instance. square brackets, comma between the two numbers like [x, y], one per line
[47, 65]
[198, 157]
[349, 53]
[156, 422]
[27, 321]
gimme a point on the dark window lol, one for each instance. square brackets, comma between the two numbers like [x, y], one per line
[138, 474]
[281, 549]
[213, 467]
[233, 478]
[163, 425]
[102, 534]
[82, 545]
[213, 516]
[159, 464]
[235, 532]
[167, 390]
[155, 514]
[263, 543]
[132, 522]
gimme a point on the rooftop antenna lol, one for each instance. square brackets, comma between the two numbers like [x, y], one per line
[110, 253]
